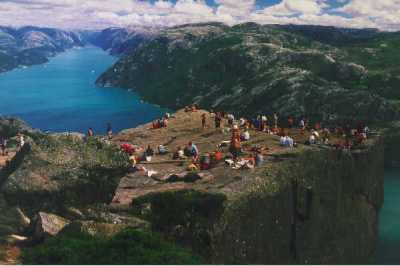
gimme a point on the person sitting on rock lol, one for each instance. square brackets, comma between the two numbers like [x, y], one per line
[191, 150]
[162, 150]
[259, 158]
[179, 154]
[148, 154]
[90, 132]
[245, 136]
[205, 162]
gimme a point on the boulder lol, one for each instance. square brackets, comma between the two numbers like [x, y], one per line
[49, 225]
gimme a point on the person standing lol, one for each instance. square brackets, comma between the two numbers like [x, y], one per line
[203, 121]
[3, 146]
[109, 131]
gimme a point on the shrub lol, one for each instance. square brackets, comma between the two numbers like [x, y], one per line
[128, 247]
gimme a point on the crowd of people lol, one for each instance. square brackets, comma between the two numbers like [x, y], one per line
[240, 129]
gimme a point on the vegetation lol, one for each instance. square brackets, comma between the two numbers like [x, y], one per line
[325, 73]
[128, 247]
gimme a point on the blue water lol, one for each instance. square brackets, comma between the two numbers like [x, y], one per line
[388, 251]
[62, 96]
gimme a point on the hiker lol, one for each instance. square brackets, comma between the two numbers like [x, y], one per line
[302, 126]
[317, 126]
[205, 162]
[231, 119]
[191, 150]
[21, 141]
[245, 136]
[3, 146]
[203, 121]
[90, 132]
[109, 131]
[290, 122]
[148, 154]
[235, 147]
[264, 122]
[217, 156]
[179, 154]
[276, 120]
[242, 122]
[259, 158]
[312, 139]
[325, 136]
[162, 150]
[218, 120]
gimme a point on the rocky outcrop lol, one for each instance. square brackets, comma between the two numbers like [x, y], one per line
[49, 225]
[320, 207]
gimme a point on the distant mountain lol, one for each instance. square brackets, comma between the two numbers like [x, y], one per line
[322, 72]
[120, 40]
[33, 45]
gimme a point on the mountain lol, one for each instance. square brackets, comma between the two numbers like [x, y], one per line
[120, 40]
[33, 45]
[322, 72]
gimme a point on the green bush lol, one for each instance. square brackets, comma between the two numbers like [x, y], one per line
[128, 247]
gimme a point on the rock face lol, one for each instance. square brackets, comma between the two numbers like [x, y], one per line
[309, 205]
[250, 68]
[321, 207]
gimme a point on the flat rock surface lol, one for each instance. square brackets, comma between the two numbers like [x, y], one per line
[182, 128]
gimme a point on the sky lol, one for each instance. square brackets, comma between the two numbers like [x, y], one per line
[99, 14]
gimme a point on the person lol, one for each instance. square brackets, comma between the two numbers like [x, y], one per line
[259, 158]
[264, 122]
[235, 147]
[90, 132]
[162, 150]
[276, 120]
[109, 131]
[21, 141]
[148, 154]
[179, 154]
[312, 139]
[203, 121]
[218, 120]
[217, 156]
[290, 122]
[231, 119]
[242, 122]
[3, 146]
[205, 162]
[325, 136]
[245, 136]
[192, 151]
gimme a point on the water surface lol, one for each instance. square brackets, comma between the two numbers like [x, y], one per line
[62, 96]
[388, 251]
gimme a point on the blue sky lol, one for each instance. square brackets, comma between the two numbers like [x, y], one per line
[91, 14]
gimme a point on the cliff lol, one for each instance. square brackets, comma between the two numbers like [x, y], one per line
[311, 204]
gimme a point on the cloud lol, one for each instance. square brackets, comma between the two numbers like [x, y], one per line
[97, 14]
